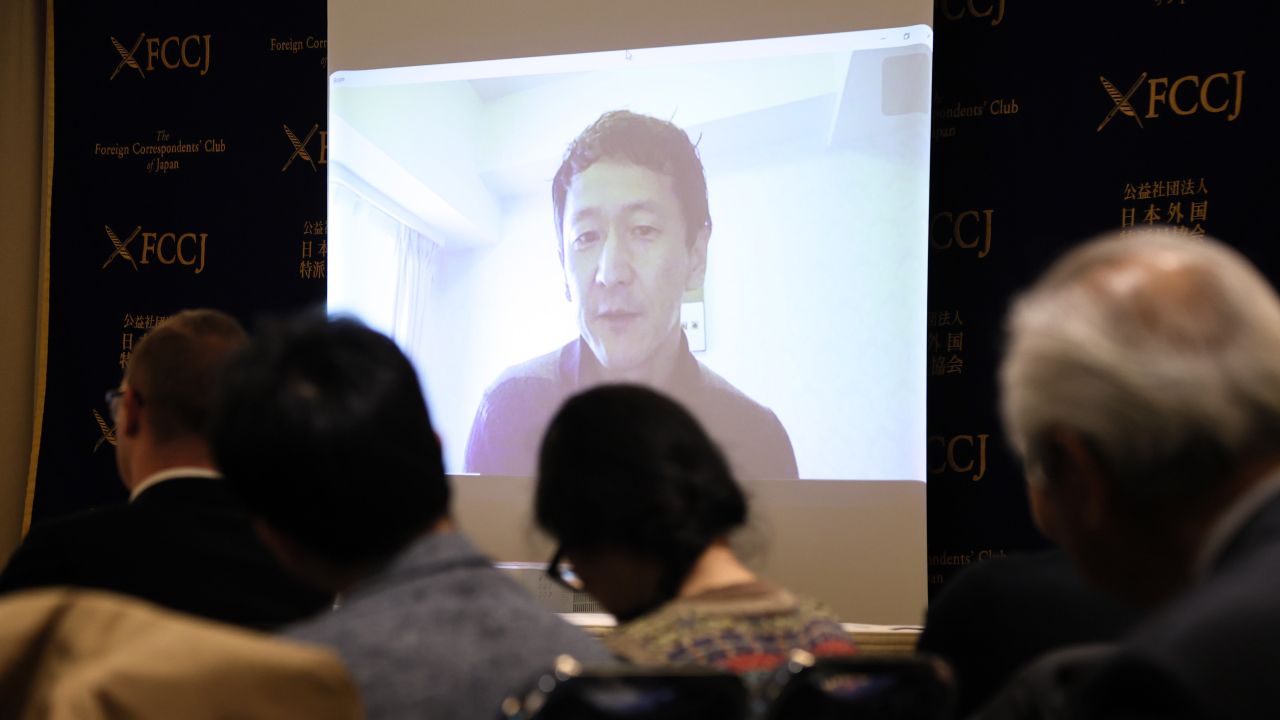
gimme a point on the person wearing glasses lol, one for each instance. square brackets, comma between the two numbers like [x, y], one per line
[323, 430]
[642, 503]
[182, 541]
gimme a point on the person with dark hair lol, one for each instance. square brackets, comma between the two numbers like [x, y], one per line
[1000, 614]
[323, 430]
[642, 504]
[183, 540]
[633, 226]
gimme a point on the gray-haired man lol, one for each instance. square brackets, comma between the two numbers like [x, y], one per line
[1141, 386]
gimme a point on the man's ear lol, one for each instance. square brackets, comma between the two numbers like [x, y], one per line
[698, 260]
[130, 423]
[1081, 479]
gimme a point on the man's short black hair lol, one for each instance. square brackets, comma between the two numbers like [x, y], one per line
[657, 145]
[625, 467]
[322, 429]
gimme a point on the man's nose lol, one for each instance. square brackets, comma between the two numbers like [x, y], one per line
[614, 267]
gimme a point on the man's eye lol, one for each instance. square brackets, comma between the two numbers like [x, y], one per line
[644, 231]
[585, 239]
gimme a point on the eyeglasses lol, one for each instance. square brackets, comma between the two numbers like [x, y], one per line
[113, 401]
[561, 571]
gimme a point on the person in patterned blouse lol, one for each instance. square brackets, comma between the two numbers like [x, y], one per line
[642, 504]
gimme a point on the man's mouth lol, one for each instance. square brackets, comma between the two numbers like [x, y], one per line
[616, 318]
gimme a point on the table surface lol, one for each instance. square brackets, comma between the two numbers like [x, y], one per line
[872, 639]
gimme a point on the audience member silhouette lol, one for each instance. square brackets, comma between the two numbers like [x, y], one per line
[183, 541]
[642, 503]
[1141, 388]
[323, 429]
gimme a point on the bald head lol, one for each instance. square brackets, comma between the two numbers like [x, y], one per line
[1161, 353]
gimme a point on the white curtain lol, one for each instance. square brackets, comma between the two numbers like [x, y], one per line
[379, 268]
[414, 253]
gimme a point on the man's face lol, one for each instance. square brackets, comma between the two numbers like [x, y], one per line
[628, 260]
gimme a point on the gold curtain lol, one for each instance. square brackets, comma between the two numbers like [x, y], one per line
[22, 64]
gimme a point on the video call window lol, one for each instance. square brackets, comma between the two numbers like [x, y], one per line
[743, 225]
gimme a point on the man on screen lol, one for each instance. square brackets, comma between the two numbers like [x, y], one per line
[632, 220]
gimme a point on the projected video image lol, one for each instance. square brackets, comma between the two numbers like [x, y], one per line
[741, 225]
